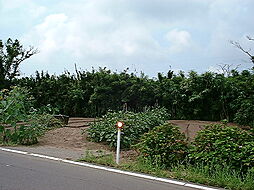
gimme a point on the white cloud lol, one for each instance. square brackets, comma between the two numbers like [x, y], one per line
[50, 35]
[151, 35]
[179, 40]
[28, 8]
[95, 40]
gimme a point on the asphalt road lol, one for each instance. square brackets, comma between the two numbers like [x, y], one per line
[23, 172]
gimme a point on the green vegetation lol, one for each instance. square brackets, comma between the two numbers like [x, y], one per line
[208, 96]
[135, 124]
[101, 158]
[19, 122]
[216, 175]
[12, 54]
[164, 145]
[219, 176]
[136, 164]
[220, 155]
[224, 145]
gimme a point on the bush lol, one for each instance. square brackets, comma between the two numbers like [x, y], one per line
[244, 115]
[224, 145]
[28, 133]
[164, 145]
[136, 124]
[15, 107]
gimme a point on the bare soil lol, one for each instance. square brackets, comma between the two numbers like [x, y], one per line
[191, 127]
[71, 142]
[70, 138]
[74, 135]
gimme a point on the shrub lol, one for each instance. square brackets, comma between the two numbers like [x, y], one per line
[16, 106]
[225, 145]
[164, 145]
[244, 115]
[28, 133]
[136, 124]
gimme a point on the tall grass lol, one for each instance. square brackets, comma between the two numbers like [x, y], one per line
[220, 176]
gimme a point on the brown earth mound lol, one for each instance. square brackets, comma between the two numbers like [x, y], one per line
[191, 127]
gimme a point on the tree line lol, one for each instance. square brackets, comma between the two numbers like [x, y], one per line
[207, 96]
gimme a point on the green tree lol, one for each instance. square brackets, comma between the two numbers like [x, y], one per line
[12, 54]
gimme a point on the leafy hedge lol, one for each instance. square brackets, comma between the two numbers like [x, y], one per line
[136, 124]
[224, 145]
[163, 145]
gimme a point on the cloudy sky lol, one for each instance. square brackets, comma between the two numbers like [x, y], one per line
[144, 35]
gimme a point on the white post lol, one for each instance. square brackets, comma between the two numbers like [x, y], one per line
[118, 145]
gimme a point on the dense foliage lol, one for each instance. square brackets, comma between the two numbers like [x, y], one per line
[135, 124]
[163, 145]
[207, 96]
[224, 145]
[19, 123]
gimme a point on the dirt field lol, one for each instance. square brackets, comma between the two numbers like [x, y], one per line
[191, 127]
[71, 142]
[74, 135]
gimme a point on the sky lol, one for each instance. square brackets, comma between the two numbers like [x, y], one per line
[147, 36]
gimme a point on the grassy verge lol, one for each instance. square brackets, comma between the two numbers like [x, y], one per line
[137, 165]
[219, 176]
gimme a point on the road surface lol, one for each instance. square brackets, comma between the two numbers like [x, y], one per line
[23, 172]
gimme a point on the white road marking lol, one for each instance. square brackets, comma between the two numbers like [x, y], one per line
[47, 157]
[110, 169]
[198, 186]
[15, 151]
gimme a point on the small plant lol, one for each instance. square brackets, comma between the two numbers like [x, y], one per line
[224, 121]
[136, 124]
[164, 145]
[224, 145]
